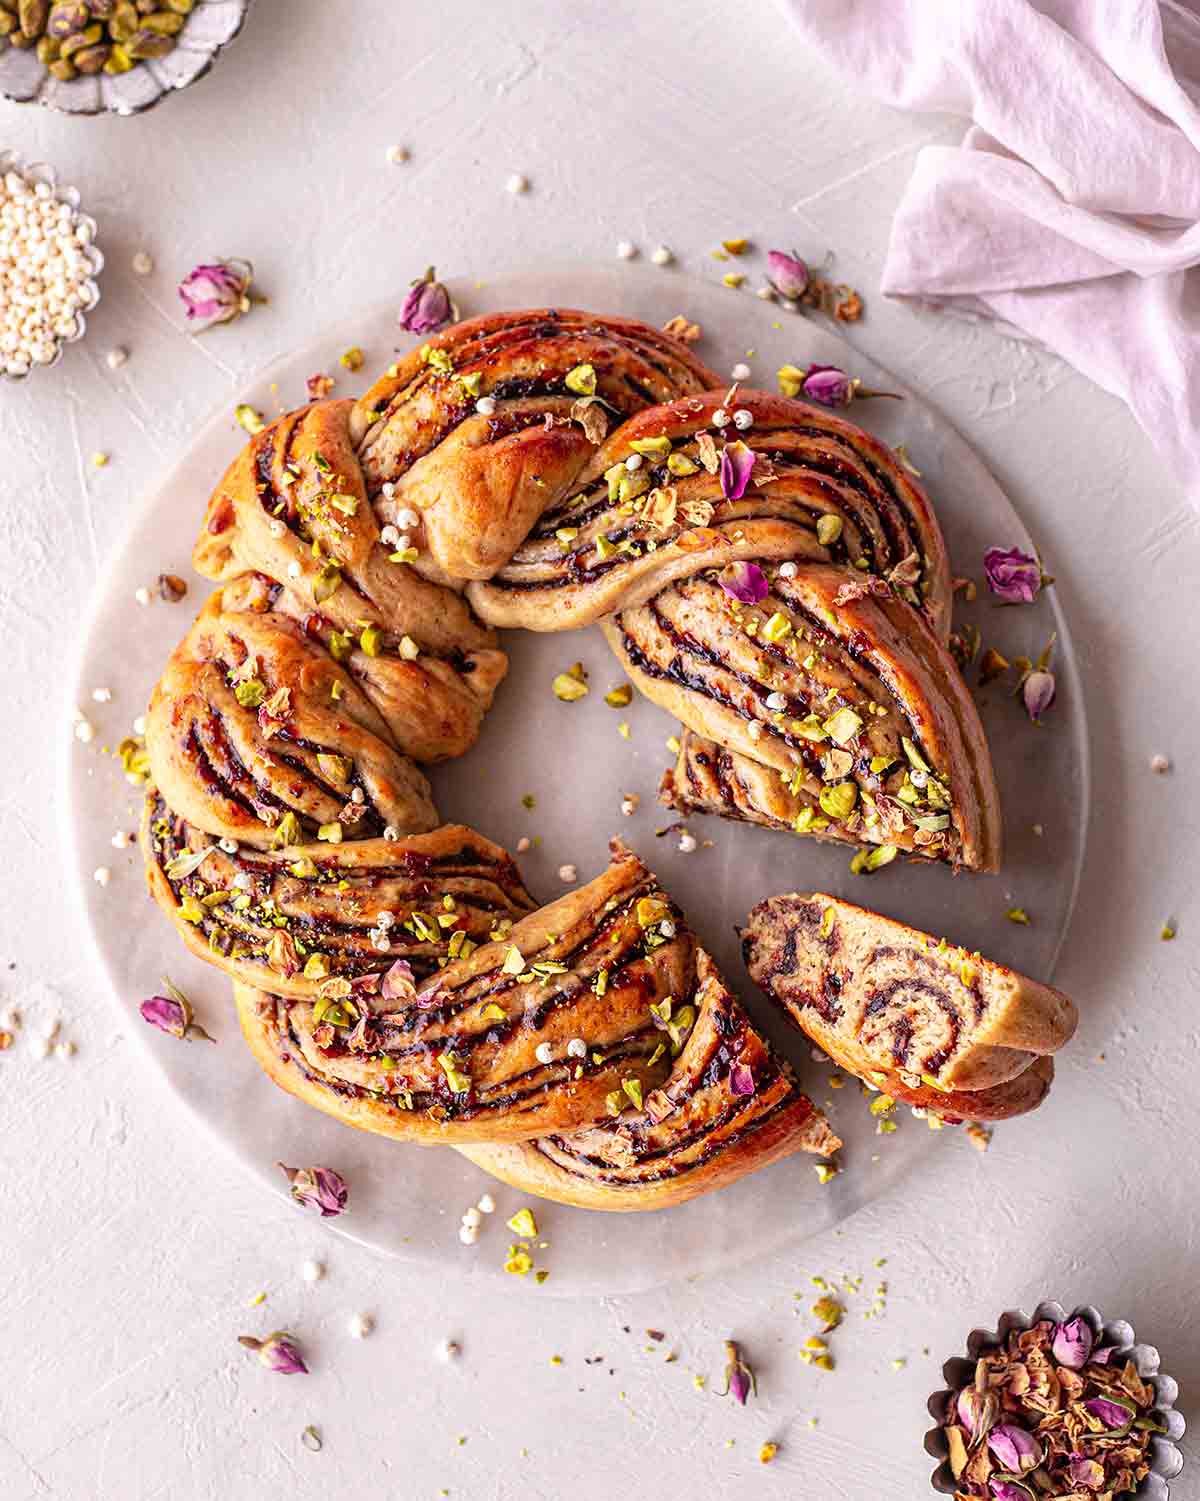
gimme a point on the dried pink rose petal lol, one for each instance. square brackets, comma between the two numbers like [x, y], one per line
[278, 1352]
[1004, 1488]
[427, 305]
[745, 582]
[1103, 1355]
[1012, 575]
[1015, 1448]
[739, 1378]
[318, 1188]
[741, 1079]
[1072, 1343]
[1114, 1415]
[737, 465]
[968, 1407]
[788, 274]
[399, 982]
[1085, 1472]
[217, 292]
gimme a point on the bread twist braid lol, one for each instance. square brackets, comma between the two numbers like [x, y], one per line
[365, 553]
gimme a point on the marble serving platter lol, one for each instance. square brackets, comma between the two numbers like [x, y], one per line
[407, 1201]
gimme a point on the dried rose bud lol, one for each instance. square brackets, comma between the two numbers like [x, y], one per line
[318, 1188]
[737, 465]
[319, 385]
[217, 292]
[787, 274]
[278, 1352]
[1085, 1473]
[1015, 1448]
[830, 387]
[1012, 575]
[1072, 1344]
[739, 1378]
[745, 582]
[974, 1409]
[741, 1079]
[1037, 693]
[1116, 1416]
[172, 1013]
[427, 305]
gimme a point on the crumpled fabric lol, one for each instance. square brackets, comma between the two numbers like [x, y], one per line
[1071, 209]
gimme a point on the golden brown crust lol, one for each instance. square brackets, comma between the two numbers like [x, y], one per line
[613, 546]
[841, 649]
[481, 1051]
[697, 1134]
[344, 912]
[924, 1021]
[480, 482]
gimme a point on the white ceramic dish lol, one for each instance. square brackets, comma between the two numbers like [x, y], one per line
[212, 25]
[408, 1200]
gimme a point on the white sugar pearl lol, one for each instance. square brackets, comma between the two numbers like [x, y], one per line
[121, 840]
[447, 1351]
[397, 154]
[517, 183]
[277, 528]
[391, 833]
[634, 461]
[754, 730]
[486, 406]
[663, 256]
[408, 519]
[487, 1205]
[1160, 764]
[687, 842]
[667, 928]
[743, 418]
[467, 1235]
[568, 873]
[544, 1053]
[776, 701]
[139, 725]
[102, 695]
[740, 372]
[626, 249]
[102, 875]
[360, 1325]
[577, 1048]
[389, 536]
[312, 1271]
[142, 264]
[228, 845]
[472, 1218]
[720, 418]
[115, 358]
[293, 570]
[142, 596]
[788, 570]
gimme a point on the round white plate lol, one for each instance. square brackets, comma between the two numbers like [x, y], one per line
[571, 759]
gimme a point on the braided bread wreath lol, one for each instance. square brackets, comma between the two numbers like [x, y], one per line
[547, 469]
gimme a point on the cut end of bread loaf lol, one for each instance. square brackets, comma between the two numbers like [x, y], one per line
[922, 1019]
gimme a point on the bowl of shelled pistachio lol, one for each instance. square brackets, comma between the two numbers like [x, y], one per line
[89, 57]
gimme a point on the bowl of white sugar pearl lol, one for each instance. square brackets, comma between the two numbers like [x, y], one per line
[48, 267]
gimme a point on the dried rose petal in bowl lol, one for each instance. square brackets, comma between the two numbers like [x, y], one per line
[1060, 1405]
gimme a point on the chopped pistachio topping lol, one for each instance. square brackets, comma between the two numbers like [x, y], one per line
[651, 447]
[619, 697]
[571, 685]
[873, 858]
[838, 801]
[371, 640]
[514, 962]
[829, 529]
[843, 726]
[458, 1081]
[777, 628]
[248, 418]
[316, 967]
[331, 833]
[287, 831]
[581, 380]
[523, 1223]
[633, 1088]
[409, 649]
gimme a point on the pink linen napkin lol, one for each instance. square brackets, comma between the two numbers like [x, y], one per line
[1071, 211]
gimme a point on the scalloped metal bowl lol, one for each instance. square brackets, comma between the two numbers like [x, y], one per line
[1166, 1459]
[33, 173]
[210, 28]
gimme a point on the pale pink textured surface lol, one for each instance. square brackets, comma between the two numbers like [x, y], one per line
[130, 1249]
